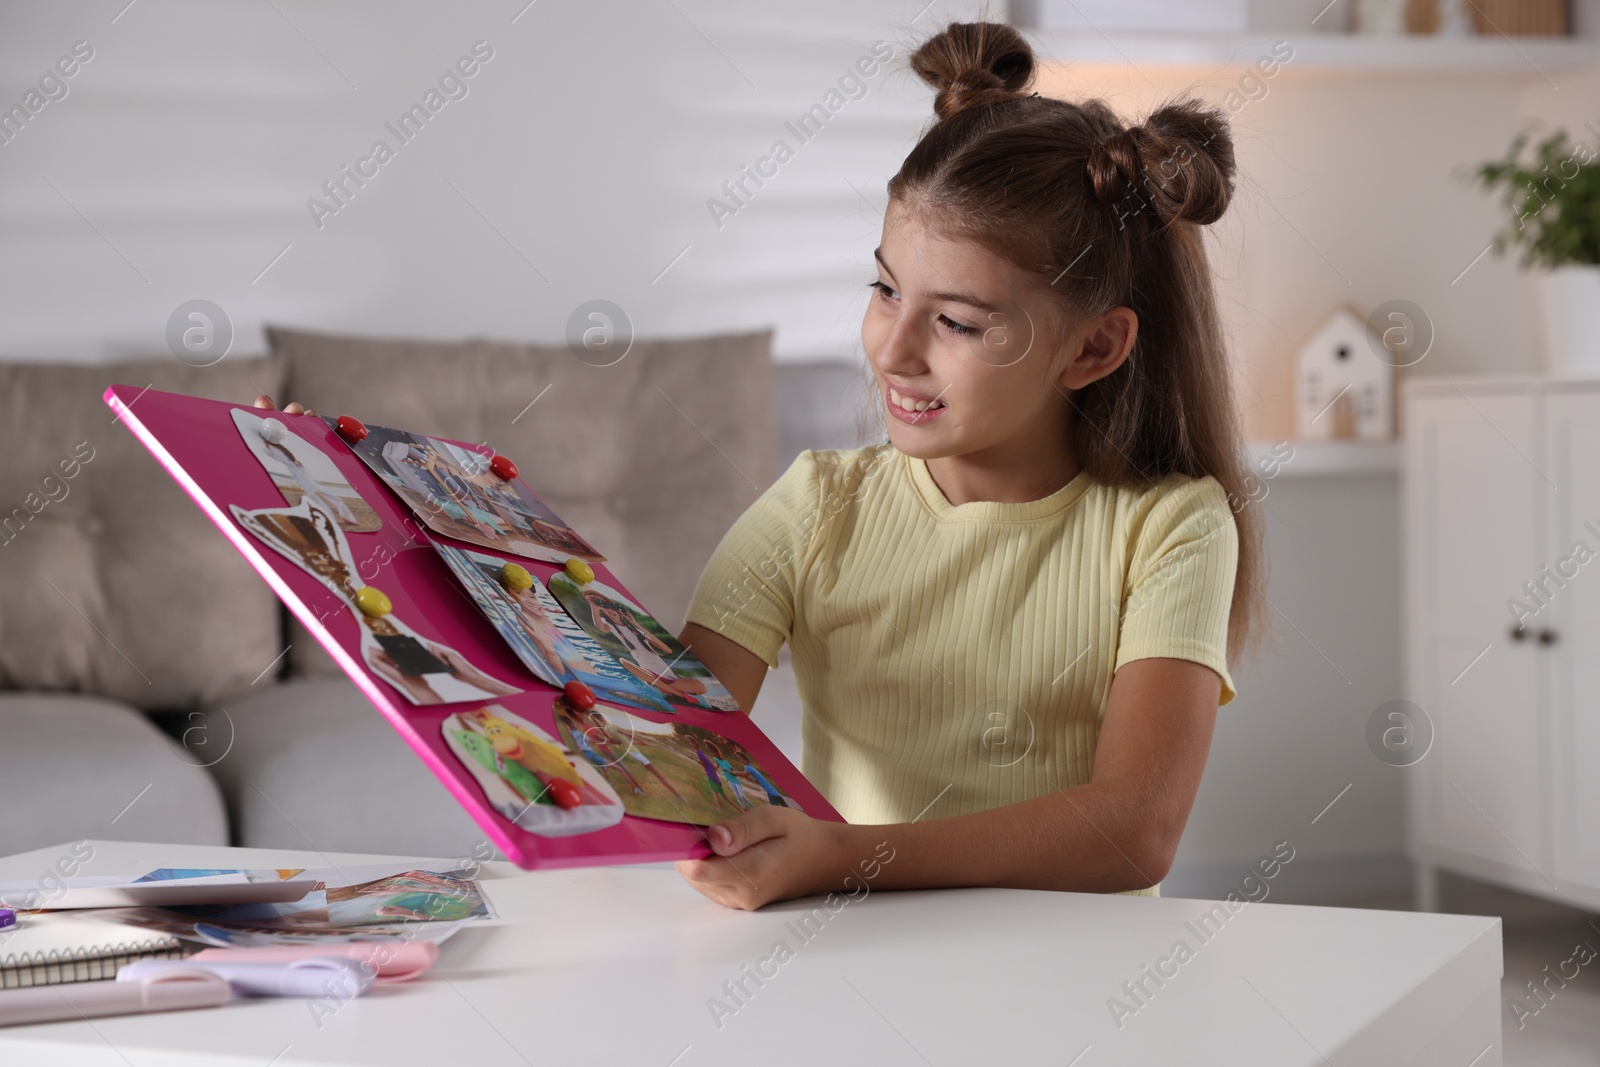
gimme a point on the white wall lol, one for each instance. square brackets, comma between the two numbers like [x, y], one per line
[186, 149]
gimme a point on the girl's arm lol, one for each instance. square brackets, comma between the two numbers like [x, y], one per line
[736, 667]
[1118, 831]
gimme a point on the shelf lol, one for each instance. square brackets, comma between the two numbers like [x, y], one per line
[1315, 458]
[1528, 56]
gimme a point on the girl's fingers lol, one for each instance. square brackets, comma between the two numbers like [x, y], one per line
[265, 401]
[717, 879]
[713, 872]
[714, 894]
[728, 894]
[750, 828]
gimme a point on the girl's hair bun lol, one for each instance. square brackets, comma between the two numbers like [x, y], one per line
[1185, 152]
[973, 64]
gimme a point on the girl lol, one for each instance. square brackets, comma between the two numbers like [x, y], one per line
[645, 762]
[1011, 623]
[773, 796]
[740, 801]
[713, 776]
[590, 740]
[643, 659]
[310, 488]
[599, 735]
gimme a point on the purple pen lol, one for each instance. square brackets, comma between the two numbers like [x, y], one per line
[7, 917]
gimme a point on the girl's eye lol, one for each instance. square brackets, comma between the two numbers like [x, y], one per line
[960, 330]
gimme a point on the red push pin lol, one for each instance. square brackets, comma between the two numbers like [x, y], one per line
[503, 468]
[564, 793]
[578, 695]
[351, 427]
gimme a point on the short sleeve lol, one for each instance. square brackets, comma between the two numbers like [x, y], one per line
[1180, 580]
[747, 591]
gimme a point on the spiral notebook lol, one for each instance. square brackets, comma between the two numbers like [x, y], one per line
[54, 948]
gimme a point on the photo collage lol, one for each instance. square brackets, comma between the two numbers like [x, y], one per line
[601, 762]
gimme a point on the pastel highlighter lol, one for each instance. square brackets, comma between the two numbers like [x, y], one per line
[393, 963]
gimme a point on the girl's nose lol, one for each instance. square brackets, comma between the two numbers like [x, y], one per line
[901, 352]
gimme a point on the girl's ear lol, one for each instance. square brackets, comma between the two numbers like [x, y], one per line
[1103, 344]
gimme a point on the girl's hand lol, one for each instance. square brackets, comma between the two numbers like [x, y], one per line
[265, 401]
[770, 854]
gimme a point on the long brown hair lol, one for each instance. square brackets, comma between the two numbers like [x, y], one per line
[1111, 215]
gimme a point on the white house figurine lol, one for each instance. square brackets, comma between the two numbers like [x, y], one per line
[1343, 391]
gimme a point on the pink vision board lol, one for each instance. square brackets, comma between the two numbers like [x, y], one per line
[200, 446]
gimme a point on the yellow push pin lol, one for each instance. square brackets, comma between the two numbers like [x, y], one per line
[372, 601]
[516, 577]
[578, 570]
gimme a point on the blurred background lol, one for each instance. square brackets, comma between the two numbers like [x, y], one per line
[1409, 293]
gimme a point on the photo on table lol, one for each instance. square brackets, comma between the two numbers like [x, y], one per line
[547, 641]
[303, 472]
[529, 777]
[454, 492]
[419, 905]
[671, 771]
[641, 644]
[414, 896]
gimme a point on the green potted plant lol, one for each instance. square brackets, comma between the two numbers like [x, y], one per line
[1554, 202]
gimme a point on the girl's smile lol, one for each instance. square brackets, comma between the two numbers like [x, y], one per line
[912, 407]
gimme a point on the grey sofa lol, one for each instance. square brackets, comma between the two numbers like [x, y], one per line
[151, 686]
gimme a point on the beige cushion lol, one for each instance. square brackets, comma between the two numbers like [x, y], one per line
[651, 459]
[121, 587]
[77, 767]
[311, 760]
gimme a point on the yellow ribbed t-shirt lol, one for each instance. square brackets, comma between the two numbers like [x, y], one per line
[955, 658]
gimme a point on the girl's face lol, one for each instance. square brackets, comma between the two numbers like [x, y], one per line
[972, 356]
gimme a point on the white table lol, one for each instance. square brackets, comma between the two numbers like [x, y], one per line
[617, 965]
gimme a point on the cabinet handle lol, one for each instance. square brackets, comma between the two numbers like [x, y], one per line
[1548, 637]
[1519, 633]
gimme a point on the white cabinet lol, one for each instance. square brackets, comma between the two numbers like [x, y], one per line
[1502, 630]
[1572, 428]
